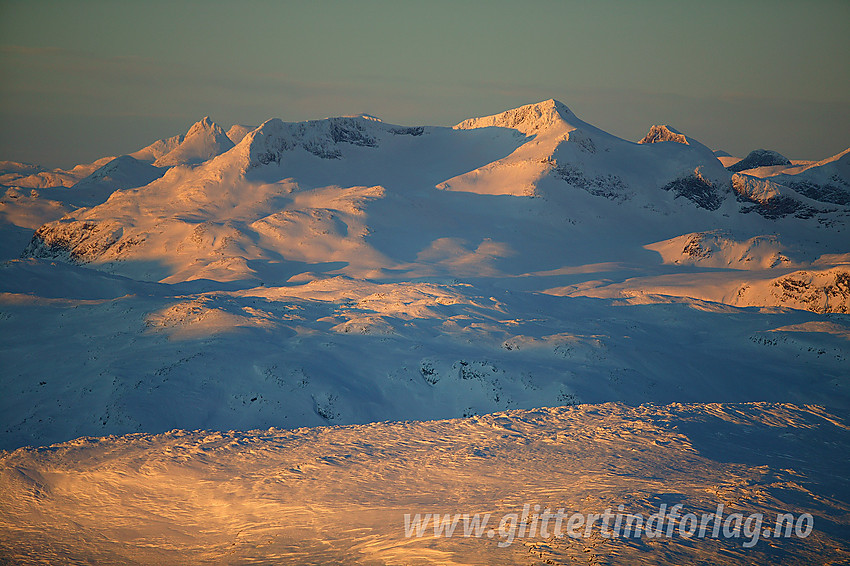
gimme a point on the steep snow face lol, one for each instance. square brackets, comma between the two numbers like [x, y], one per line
[545, 126]
[530, 119]
[121, 173]
[239, 131]
[157, 149]
[760, 158]
[204, 140]
[659, 134]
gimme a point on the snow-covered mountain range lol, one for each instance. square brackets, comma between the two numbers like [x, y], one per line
[349, 270]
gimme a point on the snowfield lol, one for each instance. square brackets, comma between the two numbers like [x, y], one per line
[339, 495]
[341, 272]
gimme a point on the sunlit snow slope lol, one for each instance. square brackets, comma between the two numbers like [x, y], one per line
[338, 495]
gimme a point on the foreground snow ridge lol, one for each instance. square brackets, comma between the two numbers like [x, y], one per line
[348, 494]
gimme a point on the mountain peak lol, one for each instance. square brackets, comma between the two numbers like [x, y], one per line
[322, 138]
[364, 117]
[554, 104]
[204, 140]
[528, 119]
[760, 158]
[205, 124]
[664, 133]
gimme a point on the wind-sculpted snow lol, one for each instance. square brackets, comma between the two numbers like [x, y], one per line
[358, 494]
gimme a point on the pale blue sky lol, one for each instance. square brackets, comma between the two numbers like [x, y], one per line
[80, 80]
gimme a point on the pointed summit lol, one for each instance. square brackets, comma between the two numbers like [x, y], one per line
[204, 140]
[203, 125]
[664, 133]
[528, 119]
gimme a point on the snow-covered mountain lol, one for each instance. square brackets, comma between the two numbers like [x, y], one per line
[516, 260]
[760, 158]
[204, 140]
[826, 181]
